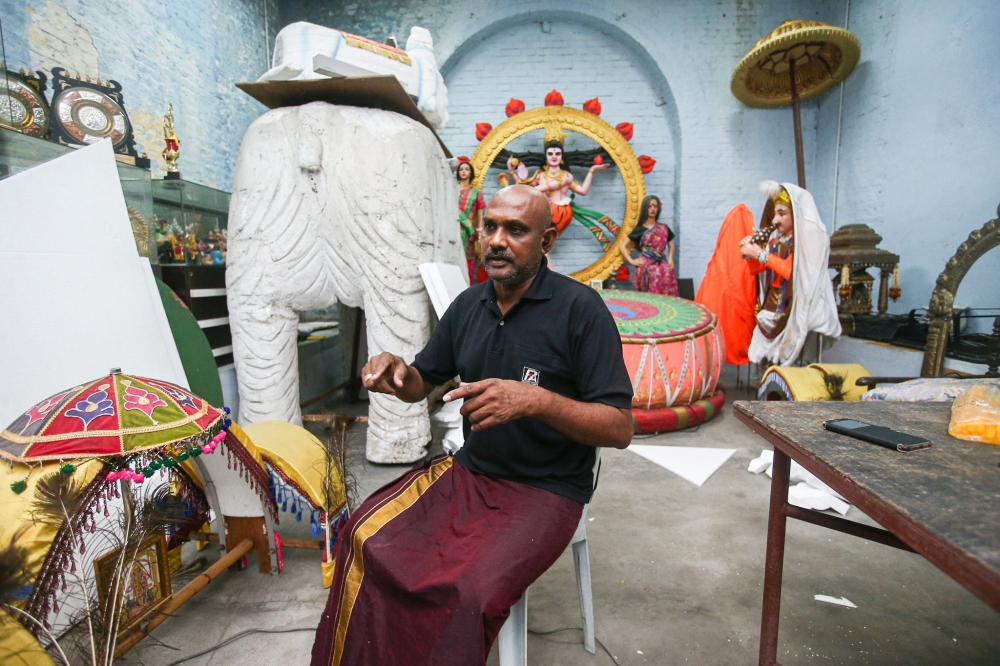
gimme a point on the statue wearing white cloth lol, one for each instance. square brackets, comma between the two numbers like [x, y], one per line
[794, 293]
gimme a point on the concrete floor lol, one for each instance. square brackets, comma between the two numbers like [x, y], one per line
[677, 574]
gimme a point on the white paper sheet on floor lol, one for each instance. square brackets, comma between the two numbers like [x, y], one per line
[692, 464]
[808, 492]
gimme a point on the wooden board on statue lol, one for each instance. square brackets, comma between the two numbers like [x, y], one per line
[371, 92]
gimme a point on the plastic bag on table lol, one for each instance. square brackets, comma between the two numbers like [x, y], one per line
[975, 415]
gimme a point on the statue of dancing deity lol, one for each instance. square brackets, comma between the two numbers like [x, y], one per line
[554, 180]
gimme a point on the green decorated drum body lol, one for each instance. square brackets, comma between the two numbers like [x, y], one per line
[672, 348]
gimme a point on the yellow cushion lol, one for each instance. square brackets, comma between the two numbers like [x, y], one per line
[300, 458]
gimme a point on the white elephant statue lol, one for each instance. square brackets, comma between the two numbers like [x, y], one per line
[336, 204]
[305, 51]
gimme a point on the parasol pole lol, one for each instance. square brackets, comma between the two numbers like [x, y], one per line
[800, 162]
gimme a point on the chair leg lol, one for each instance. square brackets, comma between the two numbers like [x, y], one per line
[513, 638]
[581, 558]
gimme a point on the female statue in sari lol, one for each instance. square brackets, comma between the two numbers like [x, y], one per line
[470, 214]
[654, 269]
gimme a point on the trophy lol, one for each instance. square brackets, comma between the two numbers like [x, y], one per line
[173, 145]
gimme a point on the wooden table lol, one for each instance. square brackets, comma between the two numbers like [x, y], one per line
[942, 502]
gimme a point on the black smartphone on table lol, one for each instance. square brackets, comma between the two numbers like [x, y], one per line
[880, 435]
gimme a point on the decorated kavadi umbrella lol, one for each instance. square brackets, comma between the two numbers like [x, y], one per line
[798, 60]
[115, 428]
[134, 425]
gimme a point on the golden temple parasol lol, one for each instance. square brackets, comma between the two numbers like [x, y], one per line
[798, 60]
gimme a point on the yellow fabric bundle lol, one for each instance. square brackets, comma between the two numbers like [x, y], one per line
[975, 415]
[299, 457]
[18, 647]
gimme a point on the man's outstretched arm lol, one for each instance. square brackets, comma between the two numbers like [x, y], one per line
[492, 402]
[389, 374]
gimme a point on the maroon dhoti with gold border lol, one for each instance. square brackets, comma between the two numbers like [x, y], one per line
[428, 567]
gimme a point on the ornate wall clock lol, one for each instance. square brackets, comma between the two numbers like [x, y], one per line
[85, 112]
[25, 108]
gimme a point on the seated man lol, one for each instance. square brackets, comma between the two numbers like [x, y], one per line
[428, 567]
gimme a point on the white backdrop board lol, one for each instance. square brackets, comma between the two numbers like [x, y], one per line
[75, 297]
[444, 283]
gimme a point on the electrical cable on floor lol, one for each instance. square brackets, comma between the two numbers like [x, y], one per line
[236, 637]
[556, 631]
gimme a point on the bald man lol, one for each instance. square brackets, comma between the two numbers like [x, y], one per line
[428, 567]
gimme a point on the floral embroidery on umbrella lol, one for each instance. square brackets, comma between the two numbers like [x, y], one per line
[181, 398]
[39, 412]
[97, 404]
[143, 401]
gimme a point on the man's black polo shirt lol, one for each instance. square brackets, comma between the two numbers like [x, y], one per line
[561, 336]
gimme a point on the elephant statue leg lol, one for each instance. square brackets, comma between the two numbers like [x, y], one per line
[398, 432]
[265, 346]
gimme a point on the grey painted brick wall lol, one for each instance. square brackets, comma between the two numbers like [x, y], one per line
[582, 63]
[189, 52]
[919, 145]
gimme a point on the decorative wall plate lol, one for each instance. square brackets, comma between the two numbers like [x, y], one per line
[25, 108]
[84, 112]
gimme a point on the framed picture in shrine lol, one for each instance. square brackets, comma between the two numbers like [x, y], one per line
[142, 580]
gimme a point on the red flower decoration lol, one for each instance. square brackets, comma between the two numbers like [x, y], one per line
[625, 129]
[554, 99]
[137, 399]
[646, 163]
[598, 160]
[514, 107]
[592, 106]
[621, 275]
[482, 129]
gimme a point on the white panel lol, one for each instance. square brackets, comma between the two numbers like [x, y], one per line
[444, 283]
[75, 297]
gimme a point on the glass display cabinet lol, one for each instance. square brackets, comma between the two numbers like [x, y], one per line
[191, 222]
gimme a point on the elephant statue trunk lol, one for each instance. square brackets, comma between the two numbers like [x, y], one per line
[336, 204]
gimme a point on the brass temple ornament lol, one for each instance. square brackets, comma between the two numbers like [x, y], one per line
[558, 119]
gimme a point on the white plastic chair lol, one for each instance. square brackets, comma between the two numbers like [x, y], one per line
[513, 638]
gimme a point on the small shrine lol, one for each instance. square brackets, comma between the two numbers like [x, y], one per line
[853, 250]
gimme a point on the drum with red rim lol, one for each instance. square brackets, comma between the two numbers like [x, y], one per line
[674, 354]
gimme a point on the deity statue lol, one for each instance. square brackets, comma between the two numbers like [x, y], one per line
[554, 180]
[470, 214]
[794, 293]
[173, 145]
[654, 268]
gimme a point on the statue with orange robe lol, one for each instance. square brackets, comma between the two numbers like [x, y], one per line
[794, 292]
[728, 286]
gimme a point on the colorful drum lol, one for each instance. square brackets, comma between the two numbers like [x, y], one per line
[674, 354]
